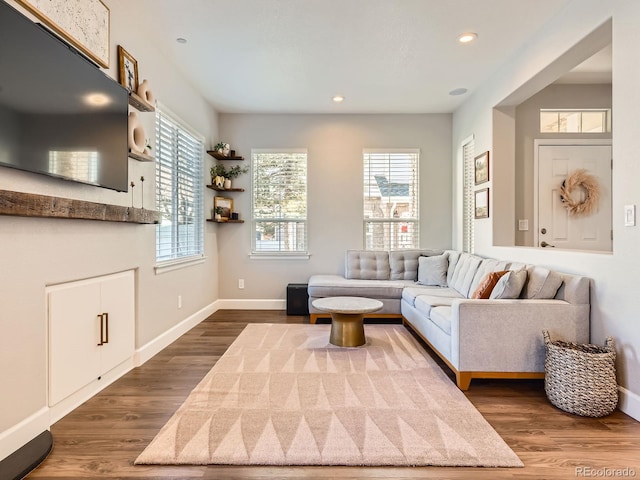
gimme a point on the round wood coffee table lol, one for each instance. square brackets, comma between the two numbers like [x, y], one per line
[347, 313]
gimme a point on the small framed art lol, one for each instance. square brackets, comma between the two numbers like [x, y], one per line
[127, 70]
[482, 203]
[226, 204]
[481, 168]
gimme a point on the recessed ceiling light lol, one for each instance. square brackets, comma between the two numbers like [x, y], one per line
[181, 40]
[338, 98]
[458, 91]
[467, 37]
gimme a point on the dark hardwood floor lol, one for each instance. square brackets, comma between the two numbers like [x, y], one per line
[102, 437]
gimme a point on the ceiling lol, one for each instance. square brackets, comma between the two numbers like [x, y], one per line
[384, 56]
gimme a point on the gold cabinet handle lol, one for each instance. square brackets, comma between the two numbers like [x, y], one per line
[100, 316]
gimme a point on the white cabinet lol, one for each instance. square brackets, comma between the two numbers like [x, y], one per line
[91, 331]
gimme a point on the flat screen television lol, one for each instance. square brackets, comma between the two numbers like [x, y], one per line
[60, 115]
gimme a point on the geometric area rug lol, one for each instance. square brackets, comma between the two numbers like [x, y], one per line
[283, 395]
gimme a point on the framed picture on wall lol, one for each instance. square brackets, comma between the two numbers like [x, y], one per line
[482, 203]
[226, 204]
[84, 24]
[127, 70]
[481, 168]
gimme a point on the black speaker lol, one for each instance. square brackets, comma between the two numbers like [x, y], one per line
[297, 299]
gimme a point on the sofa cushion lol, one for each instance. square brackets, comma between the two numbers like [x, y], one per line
[409, 294]
[542, 283]
[404, 263]
[441, 316]
[433, 270]
[367, 265]
[483, 291]
[453, 256]
[464, 273]
[425, 303]
[510, 285]
[337, 285]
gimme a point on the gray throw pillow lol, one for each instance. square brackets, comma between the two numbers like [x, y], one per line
[510, 285]
[543, 283]
[433, 270]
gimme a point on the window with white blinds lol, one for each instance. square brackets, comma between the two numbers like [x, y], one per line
[391, 199]
[468, 196]
[179, 194]
[279, 201]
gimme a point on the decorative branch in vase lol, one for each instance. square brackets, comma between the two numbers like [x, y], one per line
[232, 173]
[221, 177]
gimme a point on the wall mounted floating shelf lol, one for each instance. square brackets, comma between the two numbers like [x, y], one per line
[224, 221]
[33, 205]
[222, 157]
[213, 187]
[141, 157]
[140, 103]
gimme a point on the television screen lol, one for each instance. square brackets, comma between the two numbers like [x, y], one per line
[60, 115]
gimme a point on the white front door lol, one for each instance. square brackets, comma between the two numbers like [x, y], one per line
[556, 228]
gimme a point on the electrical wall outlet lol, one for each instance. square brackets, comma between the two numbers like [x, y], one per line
[241, 283]
[523, 225]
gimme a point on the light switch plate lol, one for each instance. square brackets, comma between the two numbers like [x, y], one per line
[629, 215]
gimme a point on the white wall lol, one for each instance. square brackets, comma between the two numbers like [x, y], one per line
[558, 96]
[615, 303]
[335, 144]
[37, 252]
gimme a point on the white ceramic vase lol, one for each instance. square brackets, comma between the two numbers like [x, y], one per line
[136, 134]
[144, 91]
[227, 183]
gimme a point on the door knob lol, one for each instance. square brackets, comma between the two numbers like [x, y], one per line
[545, 244]
[543, 231]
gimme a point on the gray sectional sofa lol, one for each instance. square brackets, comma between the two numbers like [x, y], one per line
[495, 337]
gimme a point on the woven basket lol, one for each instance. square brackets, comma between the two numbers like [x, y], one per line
[581, 379]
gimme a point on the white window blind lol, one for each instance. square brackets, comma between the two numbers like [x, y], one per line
[468, 196]
[391, 199]
[279, 201]
[179, 194]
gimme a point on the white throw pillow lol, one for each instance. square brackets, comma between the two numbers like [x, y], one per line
[543, 283]
[510, 285]
[433, 270]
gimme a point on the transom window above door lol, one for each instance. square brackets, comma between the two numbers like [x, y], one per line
[575, 121]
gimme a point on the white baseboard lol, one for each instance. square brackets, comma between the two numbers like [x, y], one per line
[249, 304]
[629, 403]
[23, 432]
[165, 339]
[162, 341]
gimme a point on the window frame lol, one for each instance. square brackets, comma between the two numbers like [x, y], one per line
[606, 124]
[302, 254]
[182, 131]
[467, 154]
[390, 221]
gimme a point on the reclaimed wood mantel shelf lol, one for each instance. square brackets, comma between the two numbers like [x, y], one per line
[33, 205]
